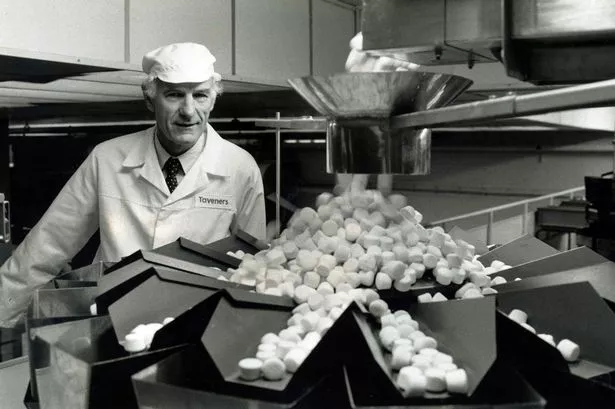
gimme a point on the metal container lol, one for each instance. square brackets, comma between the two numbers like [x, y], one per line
[81, 365]
[358, 107]
[370, 146]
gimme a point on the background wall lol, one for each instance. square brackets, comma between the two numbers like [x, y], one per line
[264, 39]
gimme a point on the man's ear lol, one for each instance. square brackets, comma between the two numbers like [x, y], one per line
[149, 103]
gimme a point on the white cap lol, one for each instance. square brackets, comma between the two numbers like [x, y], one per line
[180, 62]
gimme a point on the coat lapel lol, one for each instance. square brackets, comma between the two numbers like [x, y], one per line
[143, 160]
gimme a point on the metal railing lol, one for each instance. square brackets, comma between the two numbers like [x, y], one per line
[525, 204]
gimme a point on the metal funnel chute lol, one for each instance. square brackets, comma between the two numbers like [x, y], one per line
[358, 107]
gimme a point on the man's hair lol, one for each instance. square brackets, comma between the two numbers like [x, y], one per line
[150, 86]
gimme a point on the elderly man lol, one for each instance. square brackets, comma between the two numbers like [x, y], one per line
[144, 190]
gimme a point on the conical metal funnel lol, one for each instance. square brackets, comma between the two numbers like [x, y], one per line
[358, 106]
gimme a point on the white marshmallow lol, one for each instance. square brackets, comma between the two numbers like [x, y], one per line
[387, 256]
[497, 264]
[325, 288]
[315, 301]
[309, 321]
[443, 276]
[395, 269]
[479, 278]
[371, 295]
[288, 335]
[302, 292]
[294, 358]
[446, 366]
[388, 319]
[383, 281]
[353, 231]
[404, 284]
[415, 255]
[457, 381]
[323, 325]
[547, 338]
[429, 260]
[411, 383]
[518, 316]
[306, 260]
[387, 336]
[489, 291]
[264, 355]
[438, 297]
[425, 342]
[436, 380]
[267, 347]
[405, 330]
[368, 262]
[342, 254]
[367, 278]
[311, 279]
[472, 293]
[419, 268]
[356, 251]
[275, 257]
[353, 279]
[425, 297]
[351, 265]
[528, 327]
[378, 308]
[461, 291]
[273, 369]
[401, 357]
[283, 348]
[386, 243]
[326, 263]
[135, 341]
[336, 277]
[498, 280]
[250, 369]
[569, 350]
[270, 338]
[302, 309]
[323, 199]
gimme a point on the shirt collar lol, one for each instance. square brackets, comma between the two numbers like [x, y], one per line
[187, 158]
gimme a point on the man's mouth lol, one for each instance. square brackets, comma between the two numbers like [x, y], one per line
[184, 125]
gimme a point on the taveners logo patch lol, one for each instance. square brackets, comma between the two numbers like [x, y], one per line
[215, 202]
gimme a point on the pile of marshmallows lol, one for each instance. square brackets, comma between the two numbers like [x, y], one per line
[569, 350]
[339, 253]
[363, 240]
[140, 338]
[421, 366]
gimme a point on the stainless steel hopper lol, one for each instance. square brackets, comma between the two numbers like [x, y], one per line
[358, 107]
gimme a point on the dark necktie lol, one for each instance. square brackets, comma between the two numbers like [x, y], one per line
[172, 167]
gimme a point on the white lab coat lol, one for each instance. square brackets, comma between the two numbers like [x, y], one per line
[120, 189]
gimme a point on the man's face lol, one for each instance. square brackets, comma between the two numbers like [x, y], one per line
[182, 111]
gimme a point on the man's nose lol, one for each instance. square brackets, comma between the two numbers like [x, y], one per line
[188, 107]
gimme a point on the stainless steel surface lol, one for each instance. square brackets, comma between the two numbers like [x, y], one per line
[545, 41]
[563, 19]
[13, 383]
[378, 94]
[581, 96]
[358, 107]
[371, 146]
[433, 32]
[62, 302]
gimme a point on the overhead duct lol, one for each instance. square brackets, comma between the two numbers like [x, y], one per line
[358, 107]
